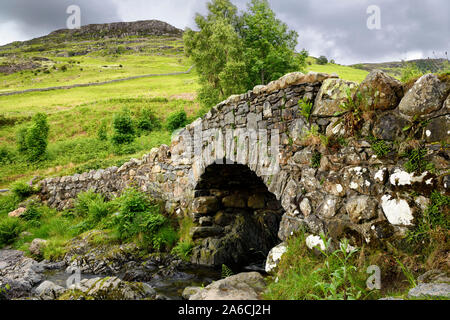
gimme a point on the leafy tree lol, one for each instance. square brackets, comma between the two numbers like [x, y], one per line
[322, 60]
[233, 53]
[269, 45]
[216, 50]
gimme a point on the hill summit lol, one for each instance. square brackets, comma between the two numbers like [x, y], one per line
[114, 30]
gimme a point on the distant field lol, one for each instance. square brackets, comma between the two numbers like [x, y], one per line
[53, 101]
[344, 72]
[108, 60]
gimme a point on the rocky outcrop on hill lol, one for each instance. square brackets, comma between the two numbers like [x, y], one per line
[122, 29]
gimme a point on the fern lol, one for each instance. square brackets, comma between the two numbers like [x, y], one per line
[226, 272]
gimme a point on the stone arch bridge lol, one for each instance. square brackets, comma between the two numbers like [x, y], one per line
[255, 169]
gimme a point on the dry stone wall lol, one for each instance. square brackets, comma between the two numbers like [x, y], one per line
[327, 176]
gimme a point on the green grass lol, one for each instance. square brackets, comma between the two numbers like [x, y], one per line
[149, 55]
[344, 72]
[139, 220]
[303, 275]
[73, 138]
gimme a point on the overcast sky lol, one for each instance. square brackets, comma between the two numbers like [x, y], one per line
[410, 29]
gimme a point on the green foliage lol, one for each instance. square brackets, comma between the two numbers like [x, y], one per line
[6, 156]
[124, 132]
[379, 147]
[322, 60]
[147, 121]
[21, 140]
[138, 217]
[315, 160]
[9, 203]
[98, 209]
[340, 281]
[226, 271]
[163, 239]
[305, 107]
[22, 190]
[416, 161]
[269, 46]
[304, 275]
[54, 250]
[316, 137]
[84, 200]
[216, 50]
[102, 132]
[233, 53]
[410, 72]
[183, 249]
[10, 229]
[407, 273]
[176, 120]
[433, 219]
[33, 141]
[32, 214]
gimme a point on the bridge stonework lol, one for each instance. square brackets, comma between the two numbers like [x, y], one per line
[274, 165]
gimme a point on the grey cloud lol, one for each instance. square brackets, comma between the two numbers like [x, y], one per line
[335, 28]
[39, 17]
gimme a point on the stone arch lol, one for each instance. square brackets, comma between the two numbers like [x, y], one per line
[236, 217]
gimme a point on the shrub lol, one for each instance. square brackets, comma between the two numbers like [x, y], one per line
[139, 217]
[33, 141]
[6, 156]
[164, 239]
[22, 190]
[98, 209]
[54, 250]
[9, 203]
[124, 132]
[21, 139]
[322, 60]
[176, 120]
[32, 214]
[84, 199]
[10, 229]
[147, 121]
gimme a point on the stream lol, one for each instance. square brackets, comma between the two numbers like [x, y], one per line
[168, 287]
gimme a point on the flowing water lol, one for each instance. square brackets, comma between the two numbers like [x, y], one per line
[169, 287]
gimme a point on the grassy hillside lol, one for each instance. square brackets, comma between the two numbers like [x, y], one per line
[344, 72]
[89, 61]
[396, 68]
[75, 115]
